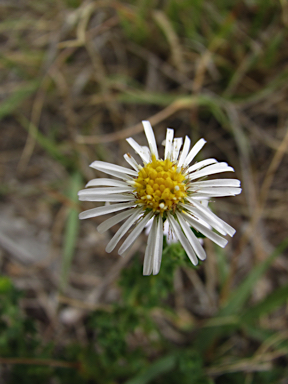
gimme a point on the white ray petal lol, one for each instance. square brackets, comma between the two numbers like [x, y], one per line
[176, 148]
[217, 183]
[201, 164]
[103, 182]
[184, 152]
[194, 151]
[215, 191]
[99, 211]
[105, 190]
[158, 246]
[183, 240]
[122, 230]
[150, 138]
[210, 170]
[148, 258]
[116, 198]
[169, 143]
[219, 240]
[227, 228]
[191, 237]
[107, 224]
[106, 167]
[135, 233]
[131, 161]
[138, 149]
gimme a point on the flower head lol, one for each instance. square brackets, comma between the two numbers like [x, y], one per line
[169, 190]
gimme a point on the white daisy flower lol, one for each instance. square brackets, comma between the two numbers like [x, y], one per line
[170, 190]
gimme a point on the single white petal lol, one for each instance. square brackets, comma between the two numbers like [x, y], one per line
[120, 175]
[158, 246]
[176, 148]
[184, 152]
[169, 143]
[217, 183]
[107, 167]
[205, 231]
[107, 224]
[210, 170]
[103, 182]
[148, 258]
[99, 211]
[194, 151]
[183, 240]
[215, 192]
[138, 149]
[122, 230]
[227, 228]
[201, 164]
[131, 161]
[135, 233]
[105, 190]
[191, 237]
[115, 198]
[150, 138]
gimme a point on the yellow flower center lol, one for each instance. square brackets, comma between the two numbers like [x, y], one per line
[159, 186]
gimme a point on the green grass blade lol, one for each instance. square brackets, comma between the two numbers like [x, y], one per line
[156, 369]
[71, 229]
[241, 294]
[47, 144]
[271, 302]
[12, 103]
[208, 335]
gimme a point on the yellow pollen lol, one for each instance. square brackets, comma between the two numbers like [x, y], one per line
[159, 186]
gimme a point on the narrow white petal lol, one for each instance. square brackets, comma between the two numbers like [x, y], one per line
[120, 175]
[115, 198]
[158, 246]
[131, 161]
[168, 143]
[201, 164]
[205, 231]
[135, 233]
[217, 183]
[215, 192]
[107, 167]
[105, 190]
[150, 138]
[122, 230]
[148, 258]
[183, 240]
[102, 182]
[194, 151]
[227, 228]
[107, 224]
[138, 149]
[176, 148]
[210, 170]
[191, 237]
[99, 211]
[184, 152]
[205, 216]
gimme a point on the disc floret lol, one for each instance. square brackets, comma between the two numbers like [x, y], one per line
[160, 186]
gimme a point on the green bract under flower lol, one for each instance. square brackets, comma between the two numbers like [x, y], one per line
[159, 190]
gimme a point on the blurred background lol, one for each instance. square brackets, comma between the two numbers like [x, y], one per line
[76, 79]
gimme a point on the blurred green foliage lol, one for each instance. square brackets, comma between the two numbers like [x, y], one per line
[109, 356]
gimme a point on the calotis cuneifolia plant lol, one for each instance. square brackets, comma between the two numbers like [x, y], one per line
[170, 189]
